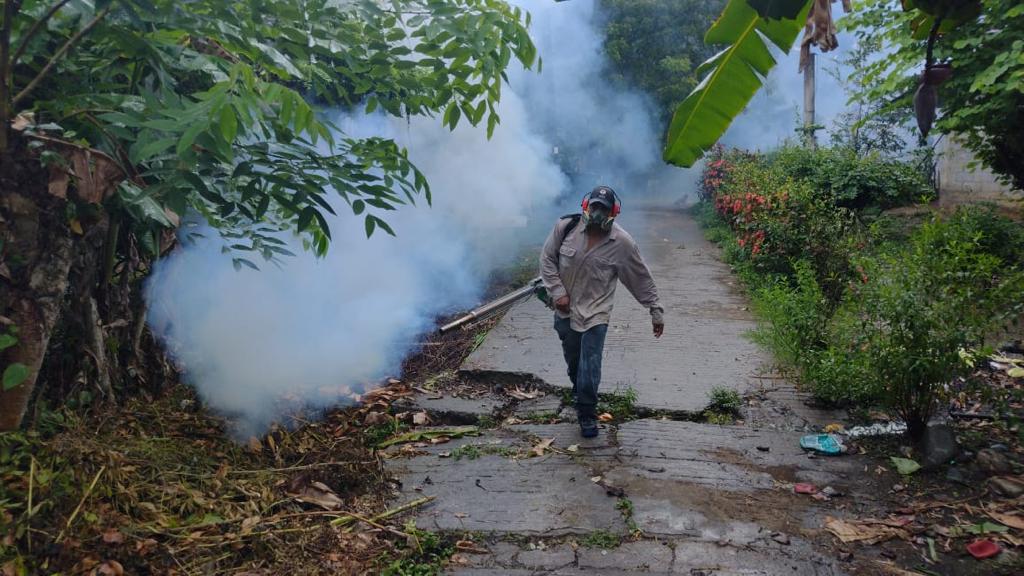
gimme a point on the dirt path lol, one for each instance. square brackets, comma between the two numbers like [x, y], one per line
[663, 494]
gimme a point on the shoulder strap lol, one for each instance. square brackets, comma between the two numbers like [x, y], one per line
[573, 219]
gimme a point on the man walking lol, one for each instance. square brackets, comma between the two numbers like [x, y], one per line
[580, 266]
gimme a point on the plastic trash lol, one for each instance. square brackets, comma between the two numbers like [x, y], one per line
[829, 444]
[877, 429]
[803, 488]
[982, 549]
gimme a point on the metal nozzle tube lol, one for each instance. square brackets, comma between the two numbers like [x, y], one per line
[492, 306]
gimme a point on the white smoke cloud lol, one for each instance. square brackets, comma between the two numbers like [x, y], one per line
[772, 116]
[313, 330]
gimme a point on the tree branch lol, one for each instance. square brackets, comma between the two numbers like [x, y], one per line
[35, 28]
[11, 8]
[60, 53]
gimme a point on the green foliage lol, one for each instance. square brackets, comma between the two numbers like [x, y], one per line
[983, 100]
[651, 45]
[379, 433]
[203, 102]
[923, 304]
[621, 404]
[864, 315]
[426, 554]
[853, 180]
[719, 418]
[734, 75]
[14, 373]
[625, 507]
[474, 451]
[600, 539]
[724, 400]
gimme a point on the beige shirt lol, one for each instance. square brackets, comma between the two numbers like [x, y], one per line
[590, 277]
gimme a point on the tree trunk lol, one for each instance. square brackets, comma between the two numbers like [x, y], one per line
[35, 258]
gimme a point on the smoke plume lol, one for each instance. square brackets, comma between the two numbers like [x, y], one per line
[313, 332]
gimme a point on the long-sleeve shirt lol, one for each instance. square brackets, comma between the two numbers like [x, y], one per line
[589, 277]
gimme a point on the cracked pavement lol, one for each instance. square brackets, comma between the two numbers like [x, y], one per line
[663, 494]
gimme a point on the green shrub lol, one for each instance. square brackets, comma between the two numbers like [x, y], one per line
[794, 317]
[724, 400]
[854, 181]
[900, 332]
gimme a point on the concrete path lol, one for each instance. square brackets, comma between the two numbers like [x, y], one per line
[659, 495]
[703, 346]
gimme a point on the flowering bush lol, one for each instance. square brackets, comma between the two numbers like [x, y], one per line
[863, 318]
[778, 219]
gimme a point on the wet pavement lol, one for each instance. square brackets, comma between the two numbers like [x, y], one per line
[660, 495]
[703, 346]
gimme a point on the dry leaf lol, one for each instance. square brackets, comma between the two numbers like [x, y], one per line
[254, 444]
[460, 515]
[539, 448]
[573, 448]
[111, 568]
[420, 419]
[320, 494]
[143, 547]
[249, 523]
[1011, 520]
[113, 536]
[59, 180]
[470, 547]
[520, 395]
[606, 417]
[374, 418]
[867, 531]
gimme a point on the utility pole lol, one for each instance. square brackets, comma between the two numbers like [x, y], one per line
[809, 102]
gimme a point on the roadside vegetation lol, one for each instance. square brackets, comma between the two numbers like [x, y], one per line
[866, 307]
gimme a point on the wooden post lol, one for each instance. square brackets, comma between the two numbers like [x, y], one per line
[809, 102]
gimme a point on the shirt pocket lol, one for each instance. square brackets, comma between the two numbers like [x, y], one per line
[565, 257]
[603, 269]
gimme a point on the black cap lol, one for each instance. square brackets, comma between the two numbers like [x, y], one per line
[603, 195]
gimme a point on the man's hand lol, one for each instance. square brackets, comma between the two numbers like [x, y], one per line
[658, 321]
[563, 304]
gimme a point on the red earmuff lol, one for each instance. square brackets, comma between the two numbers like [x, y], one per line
[616, 206]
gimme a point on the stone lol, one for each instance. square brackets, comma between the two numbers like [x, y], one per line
[955, 474]
[939, 446]
[1007, 486]
[993, 462]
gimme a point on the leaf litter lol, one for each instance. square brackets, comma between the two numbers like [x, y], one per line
[161, 489]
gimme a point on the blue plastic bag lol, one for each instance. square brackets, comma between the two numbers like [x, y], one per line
[829, 444]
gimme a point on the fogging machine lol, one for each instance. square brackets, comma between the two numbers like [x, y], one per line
[501, 304]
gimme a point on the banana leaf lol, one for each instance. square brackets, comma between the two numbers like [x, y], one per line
[734, 75]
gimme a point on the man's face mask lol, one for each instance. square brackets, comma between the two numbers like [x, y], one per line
[599, 216]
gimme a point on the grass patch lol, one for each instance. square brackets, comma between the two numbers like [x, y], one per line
[474, 451]
[600, 539]
[425, 554]
[546, 417]
[620, 404]
[725, 400]
[379, 433]
[625, 507]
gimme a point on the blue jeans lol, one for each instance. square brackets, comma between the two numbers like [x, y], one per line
[583, 351]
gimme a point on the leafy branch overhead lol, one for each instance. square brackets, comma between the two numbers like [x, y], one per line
[734, 75]
[205, 103]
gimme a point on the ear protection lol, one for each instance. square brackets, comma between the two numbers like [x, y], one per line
[616, 205]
